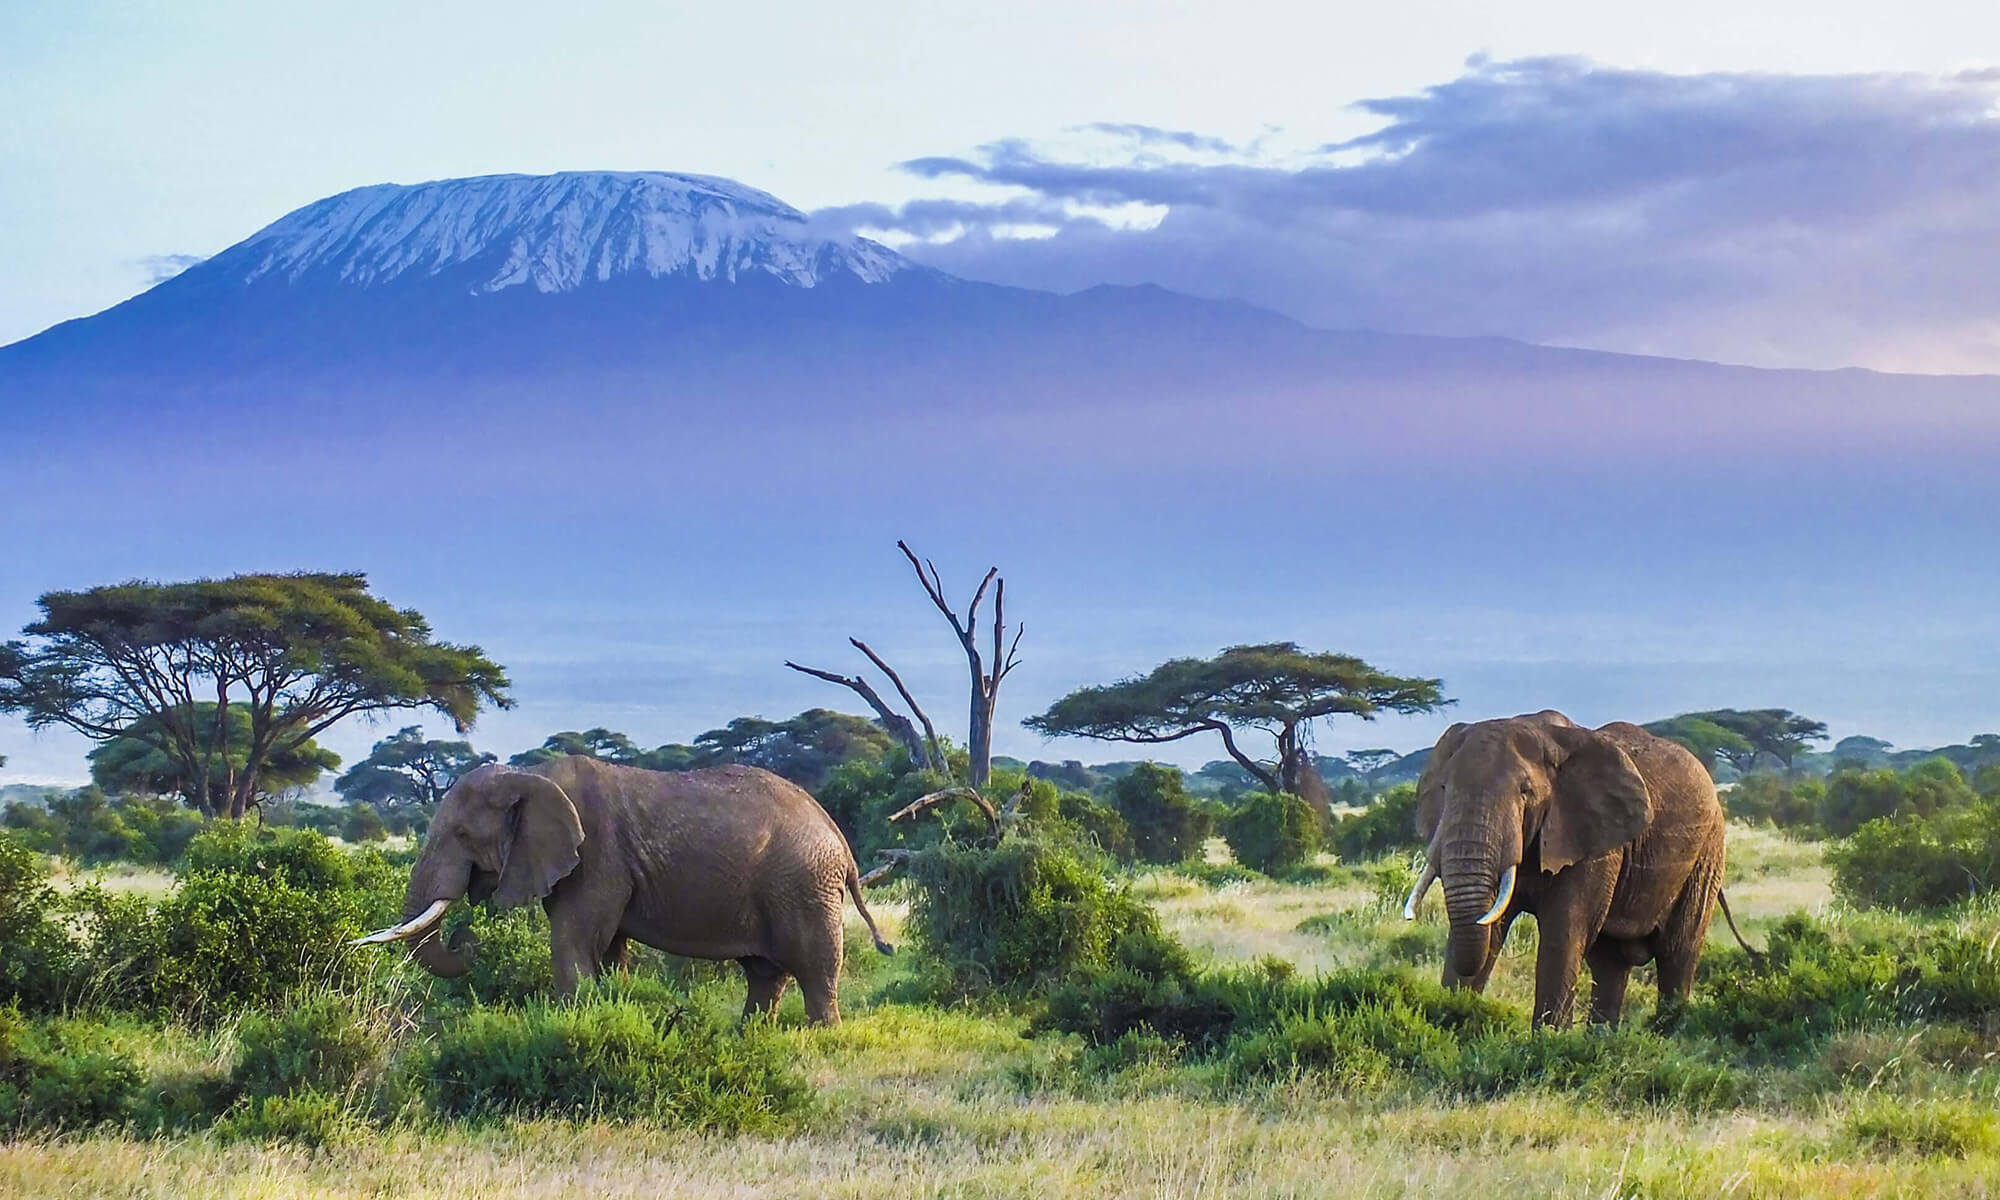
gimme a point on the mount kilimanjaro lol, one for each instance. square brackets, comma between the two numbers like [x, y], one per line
[703, 299]
[646, 436]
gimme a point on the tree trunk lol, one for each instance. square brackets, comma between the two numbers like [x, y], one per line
[1302, 779]
[981, 741]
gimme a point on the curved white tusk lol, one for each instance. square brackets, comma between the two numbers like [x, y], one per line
[1500, 901]
[1424, 882]
[408, 929]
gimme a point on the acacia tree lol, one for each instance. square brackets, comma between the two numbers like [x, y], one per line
[1740, 737]
[987, 676]
[134, 764]
[297, 652]
[407, 768]
[1275, 688]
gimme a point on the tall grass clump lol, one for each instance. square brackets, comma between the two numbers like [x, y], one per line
[613, 1056]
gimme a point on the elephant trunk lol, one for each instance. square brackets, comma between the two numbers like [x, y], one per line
[430, 883]
[1472, 866]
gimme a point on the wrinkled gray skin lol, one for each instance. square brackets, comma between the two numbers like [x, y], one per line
[725, 863]
[1619, 840]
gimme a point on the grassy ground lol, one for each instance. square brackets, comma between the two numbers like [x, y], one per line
[917, 1101]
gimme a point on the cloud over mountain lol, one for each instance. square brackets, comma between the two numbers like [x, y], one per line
[1773, 219]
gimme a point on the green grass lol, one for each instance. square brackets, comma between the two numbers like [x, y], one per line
[914, 1099]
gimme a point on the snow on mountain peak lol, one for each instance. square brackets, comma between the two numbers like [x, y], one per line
[555, 233]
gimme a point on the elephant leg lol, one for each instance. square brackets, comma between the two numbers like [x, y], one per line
[814, 944]
[1610, 971]
[1497, 937]
[579, 938]
[1569, 917]
[617, 954]
[767, 986]
[1678, 944]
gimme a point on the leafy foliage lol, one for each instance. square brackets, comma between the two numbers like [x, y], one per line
[298, 652]
[1741, 737]
[138, 762]
[407, 768]
[1166, 823]
[93, 829]
[1388, 826]
[1019, 917]
[1272, 832]
[1275, 687]
[1914, 864]
[1819, 980]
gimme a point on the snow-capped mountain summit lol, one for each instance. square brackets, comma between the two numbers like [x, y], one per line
[552, 233]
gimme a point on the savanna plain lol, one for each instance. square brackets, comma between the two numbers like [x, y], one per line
[1359, 1078]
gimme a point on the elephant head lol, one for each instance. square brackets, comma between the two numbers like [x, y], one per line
[1495, 791]
[500, 834]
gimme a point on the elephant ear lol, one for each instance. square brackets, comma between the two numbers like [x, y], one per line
[1601, 801]
[1430, 784]
[545, 835]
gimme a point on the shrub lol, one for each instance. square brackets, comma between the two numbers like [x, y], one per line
[37, 959]
[227, 939]
[1166, 823]
[1915, 864]
[1026, 914]
[1818, 981]
[361, 823]
[612, 1057]
[320, 1042]
[1388, 826]
[1768, 798]
[60, 1080]
[1097, 824]
[1272, 832]
[514, 963]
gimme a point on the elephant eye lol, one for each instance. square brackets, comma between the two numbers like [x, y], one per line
[1527, 789]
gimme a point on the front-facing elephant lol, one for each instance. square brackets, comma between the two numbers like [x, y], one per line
[1611, 837]
[724, 863]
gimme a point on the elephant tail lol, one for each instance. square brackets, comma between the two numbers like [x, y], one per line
[854, 890]
[1756, 955]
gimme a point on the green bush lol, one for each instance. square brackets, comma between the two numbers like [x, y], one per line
[1915, 864]
[60, 1079]
[1166, 823]
[1021, 916]
[1388, 826]
[1817, 981]
[37, 958]
[1769, 798]
[514, 963]
[613, 1058]
[1272, 832]
[228, 939]
[1097, 824]
[319, 1042]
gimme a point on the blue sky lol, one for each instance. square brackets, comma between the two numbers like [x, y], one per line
[1784, 183]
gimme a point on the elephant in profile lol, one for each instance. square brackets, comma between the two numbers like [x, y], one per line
[724, 863]
[1611, 837]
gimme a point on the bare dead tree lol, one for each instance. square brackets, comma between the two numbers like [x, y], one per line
[985, 680]
[924, 750]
